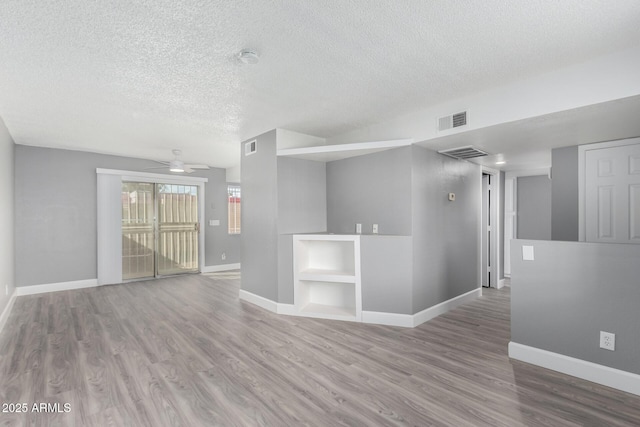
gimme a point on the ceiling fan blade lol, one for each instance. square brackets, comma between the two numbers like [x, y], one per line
[158, 167]
[187, 169]
[197, 166]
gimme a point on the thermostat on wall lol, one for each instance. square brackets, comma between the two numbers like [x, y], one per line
[452, 196]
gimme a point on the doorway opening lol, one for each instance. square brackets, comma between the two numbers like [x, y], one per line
[160, 230]
[490, 229]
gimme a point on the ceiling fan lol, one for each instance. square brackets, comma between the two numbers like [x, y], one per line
[178, 166]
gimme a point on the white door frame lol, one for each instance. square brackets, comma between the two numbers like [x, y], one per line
[110, 217]
[494, 256]
[582, 156]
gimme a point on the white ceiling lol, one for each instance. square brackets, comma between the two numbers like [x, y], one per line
[138, 78]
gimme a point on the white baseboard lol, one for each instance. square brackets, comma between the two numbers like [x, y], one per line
[263, 302]
[222, 267]
[288, 309]
[389, 319]
[435, 311]
[267, 304]
[610, 377]
[55, 287]
[501, 283]
[7, 309]
[375, 317]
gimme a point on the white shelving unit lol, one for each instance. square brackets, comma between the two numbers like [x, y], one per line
[326, 274]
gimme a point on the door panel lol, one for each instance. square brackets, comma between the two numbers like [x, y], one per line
[612, 194]
[177, 229]
[606, 212]
[138, 254]
[634, 212]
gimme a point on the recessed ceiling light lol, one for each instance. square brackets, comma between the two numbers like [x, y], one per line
[247, 56]
[501, 162]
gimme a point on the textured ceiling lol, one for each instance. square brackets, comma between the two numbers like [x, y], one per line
[140, 77]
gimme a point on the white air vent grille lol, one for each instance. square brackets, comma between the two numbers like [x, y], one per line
[466, 152]
[452, 121]
[250, 147]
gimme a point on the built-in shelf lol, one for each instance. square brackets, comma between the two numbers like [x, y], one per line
[328, 153]
[326, 274]
[328, 312]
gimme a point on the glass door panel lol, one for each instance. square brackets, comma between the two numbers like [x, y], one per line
[178, 228]
[138, 248]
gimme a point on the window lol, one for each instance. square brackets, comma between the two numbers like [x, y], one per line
[234, 208]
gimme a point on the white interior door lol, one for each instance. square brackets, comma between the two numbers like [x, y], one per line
[612, 194]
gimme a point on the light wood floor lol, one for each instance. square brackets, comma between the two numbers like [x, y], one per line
[185, 351]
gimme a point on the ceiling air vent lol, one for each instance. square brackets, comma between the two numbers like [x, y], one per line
[466, 152]
[250, 147]
[452, 121]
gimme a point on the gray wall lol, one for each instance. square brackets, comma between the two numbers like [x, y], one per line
[564, 194]
[56, 222]
[302, 208]
[259, 238]
[302, 196]
[445, 234]
[7, 251]
[561, 301]
[370, 189]
[534, 207]
[386, 268]
[217, 240]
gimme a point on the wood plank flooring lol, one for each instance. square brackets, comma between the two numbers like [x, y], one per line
[186, 352]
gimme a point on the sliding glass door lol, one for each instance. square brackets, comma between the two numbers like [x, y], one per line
[138, 230]
[177, 249]
[159, 230]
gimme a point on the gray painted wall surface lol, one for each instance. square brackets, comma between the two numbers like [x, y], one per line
[534, 207]
[561, 301]
[302, 196]
[564, 194]
[56, 218]
[217, 239]
[370, 189]
[302, 208]
[259, 238]
[7, 251]
[386, 273]
[285, 268]
[445, 234]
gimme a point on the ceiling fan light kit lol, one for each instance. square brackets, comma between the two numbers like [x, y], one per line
[177, 166]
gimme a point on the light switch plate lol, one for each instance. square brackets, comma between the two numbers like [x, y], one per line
[214, 222]
[527, 253]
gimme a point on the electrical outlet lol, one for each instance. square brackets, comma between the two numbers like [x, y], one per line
[224, 256]
[375, 229]
[607, 340]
